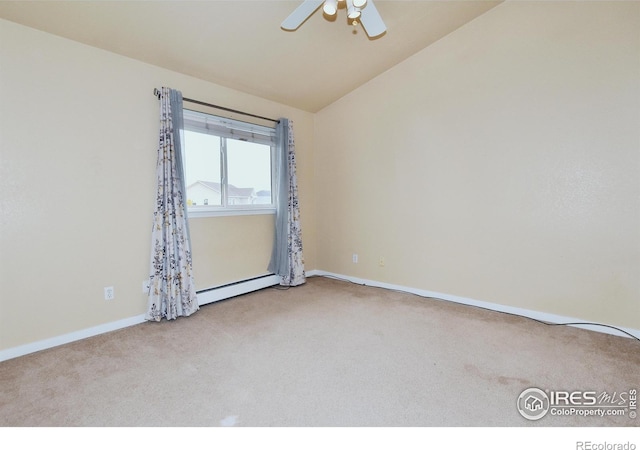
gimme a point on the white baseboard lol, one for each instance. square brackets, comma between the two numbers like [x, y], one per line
[69, 337]
[233, 290]
[209, 296]
[536, 315]
[225, 292]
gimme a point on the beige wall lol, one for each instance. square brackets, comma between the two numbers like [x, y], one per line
[232, 248]
[78, 136]
[499, 164]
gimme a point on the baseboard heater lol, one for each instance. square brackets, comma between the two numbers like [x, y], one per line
[234, 289]
[206, 296]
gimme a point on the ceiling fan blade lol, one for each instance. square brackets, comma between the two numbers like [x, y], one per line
[300, 14]
[371, 20]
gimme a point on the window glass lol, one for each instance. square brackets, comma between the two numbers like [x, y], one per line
[228, 165]
[202, 169]
[249, 169]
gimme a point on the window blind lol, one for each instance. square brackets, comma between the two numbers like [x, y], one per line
[229, 128]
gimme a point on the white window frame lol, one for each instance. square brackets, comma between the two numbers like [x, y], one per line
[226, 128]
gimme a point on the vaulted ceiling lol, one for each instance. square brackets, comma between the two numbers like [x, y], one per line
[239, 44]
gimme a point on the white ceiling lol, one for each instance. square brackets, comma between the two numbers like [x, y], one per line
[239, 43]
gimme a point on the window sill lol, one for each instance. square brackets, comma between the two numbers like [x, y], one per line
[219, 212]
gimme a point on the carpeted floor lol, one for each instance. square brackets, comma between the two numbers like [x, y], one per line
[329, 353]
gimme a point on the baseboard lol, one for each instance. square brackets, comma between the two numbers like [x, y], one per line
[69, 337]
[209, 296]
[536, 315]
[235, 289]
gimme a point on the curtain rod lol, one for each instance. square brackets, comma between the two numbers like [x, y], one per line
[156, 92]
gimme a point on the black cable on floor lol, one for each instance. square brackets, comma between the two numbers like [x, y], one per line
[492, 310]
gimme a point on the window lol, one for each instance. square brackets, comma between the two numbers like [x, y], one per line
[228, 165]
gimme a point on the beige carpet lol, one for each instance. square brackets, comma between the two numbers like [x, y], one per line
[329, 353]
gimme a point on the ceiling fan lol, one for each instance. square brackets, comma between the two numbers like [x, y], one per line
[363, 11]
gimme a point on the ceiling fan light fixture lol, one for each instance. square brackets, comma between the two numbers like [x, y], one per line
[352, 11]
[366, 15]
[330, 7]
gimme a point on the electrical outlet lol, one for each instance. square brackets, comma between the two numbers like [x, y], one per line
[146, 285]
[109, 293]
[381, 261]
[354, 258]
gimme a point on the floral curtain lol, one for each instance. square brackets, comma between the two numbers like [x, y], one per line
[286, 258]
[172, 290]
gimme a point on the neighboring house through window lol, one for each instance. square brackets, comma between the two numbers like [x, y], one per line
[228, 165]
